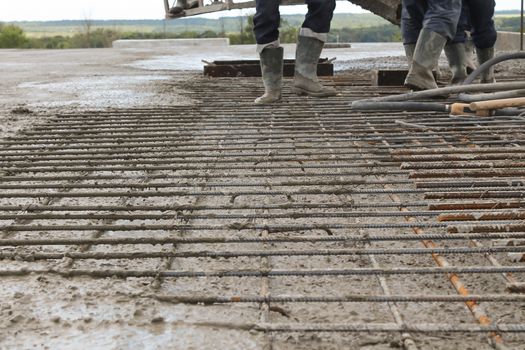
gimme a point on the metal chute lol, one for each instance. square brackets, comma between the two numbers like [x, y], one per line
[388, 9]
[219, 5]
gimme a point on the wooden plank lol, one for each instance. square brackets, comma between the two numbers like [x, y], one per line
[252, 68]
[497, 104]
[389, 77]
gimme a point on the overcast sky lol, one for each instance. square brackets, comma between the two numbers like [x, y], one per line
[45, 10]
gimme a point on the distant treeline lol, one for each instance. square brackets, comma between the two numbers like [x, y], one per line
[508, 24]
[12, 36]
[189, 24]
[88, 35]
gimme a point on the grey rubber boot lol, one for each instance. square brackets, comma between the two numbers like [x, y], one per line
[483, 56]
[306, 59]
[409, 53]
[426, 55]
[457, 61]
[470, 61]
[272, 74]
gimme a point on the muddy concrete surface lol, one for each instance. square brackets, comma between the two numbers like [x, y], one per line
[40, 89]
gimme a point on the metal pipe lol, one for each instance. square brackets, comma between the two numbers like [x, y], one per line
[115, 148]
[363, 271]
[229, 240]
[234, 226]
[461, 215]
[15, 153]
[399, 106]
[350, 298]
[370, 327]
[505, 192]
[521, 25]
[426, 174]
[156, 160]
[190, 207]
[254, 253]
[491, 96]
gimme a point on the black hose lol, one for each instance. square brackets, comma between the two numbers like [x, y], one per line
[508, 112]
[445, 91]
[500, 58]
[400, 102]
[466, 87]
[399, 106]
[485, 66]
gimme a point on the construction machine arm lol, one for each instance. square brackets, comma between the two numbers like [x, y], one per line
[388, 9]
[220, 5]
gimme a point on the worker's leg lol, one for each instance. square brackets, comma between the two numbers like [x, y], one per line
[312, 36]
[411, 24]
[463, 34]
[412, 16]
[439, 25]
[442, 17]
[272, 74]
[456, 50]
[266, 24]
[484, 33]
[266, 30]
[481, 16]
[470, 49]
[457, 61]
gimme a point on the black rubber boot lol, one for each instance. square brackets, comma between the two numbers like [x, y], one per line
[272, 74]
[306, 58]
[483, 56]
[426, 55]
[182, 5]
[457, 61]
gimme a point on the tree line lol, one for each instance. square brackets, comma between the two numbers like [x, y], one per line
[13, 36]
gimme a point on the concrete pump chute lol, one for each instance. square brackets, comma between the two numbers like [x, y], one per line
[388, 9]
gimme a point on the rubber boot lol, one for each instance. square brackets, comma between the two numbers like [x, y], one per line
[272, 74]
[409, 53]
[426, 55]
[483, 56]
[306, 59]
[470, 62]
[182, 5]
[457, 61]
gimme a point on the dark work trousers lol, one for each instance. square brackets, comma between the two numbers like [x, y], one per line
[267, 18]
[477, 18]
[439, 16]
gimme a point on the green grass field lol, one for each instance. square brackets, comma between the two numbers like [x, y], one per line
[226, 24]
[230, 24]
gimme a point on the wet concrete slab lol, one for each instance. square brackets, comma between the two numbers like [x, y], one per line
[133, 77]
